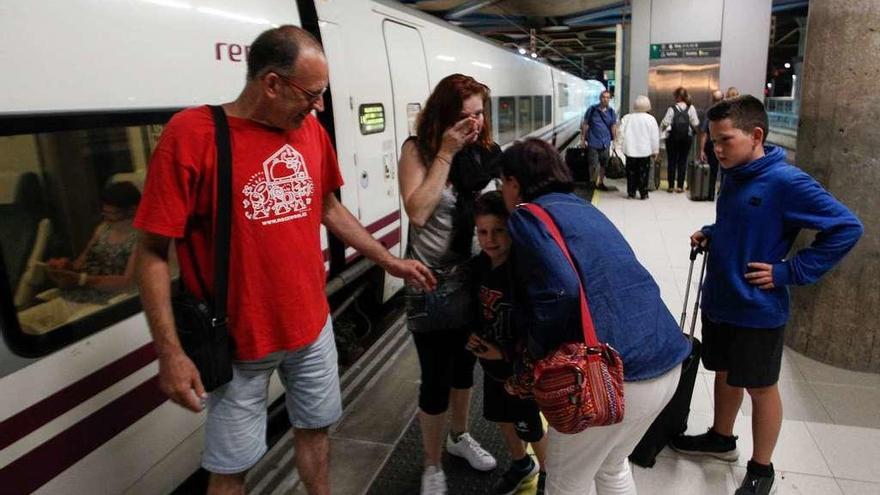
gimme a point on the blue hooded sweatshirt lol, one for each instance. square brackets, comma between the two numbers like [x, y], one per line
[760, 210]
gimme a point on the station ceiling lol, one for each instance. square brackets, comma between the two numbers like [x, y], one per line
[575, 35]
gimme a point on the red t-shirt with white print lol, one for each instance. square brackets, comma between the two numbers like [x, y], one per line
[279, 179]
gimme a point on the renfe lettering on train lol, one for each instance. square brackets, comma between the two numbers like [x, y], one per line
[233, 51]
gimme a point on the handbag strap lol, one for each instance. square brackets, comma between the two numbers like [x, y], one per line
[222, 223]
[586, 319]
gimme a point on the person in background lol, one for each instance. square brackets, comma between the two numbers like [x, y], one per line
[763, 205]
[497, 343]
[598, 129]
[678, 125]
[278, 314]
[707, 149]
[104, 268]
[624, 301]
[732, 92]
[641, 143]
[442, 171]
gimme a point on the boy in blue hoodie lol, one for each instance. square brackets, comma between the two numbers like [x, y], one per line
[763, 204]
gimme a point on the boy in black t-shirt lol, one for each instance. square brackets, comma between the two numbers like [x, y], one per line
[496, 343]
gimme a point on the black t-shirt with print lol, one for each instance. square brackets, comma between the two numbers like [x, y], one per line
[494, 291]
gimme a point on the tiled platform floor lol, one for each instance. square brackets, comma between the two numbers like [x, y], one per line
[830, 440]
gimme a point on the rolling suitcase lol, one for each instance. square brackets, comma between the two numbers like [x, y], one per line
[576, 159]
[672, 421]
[698, 181]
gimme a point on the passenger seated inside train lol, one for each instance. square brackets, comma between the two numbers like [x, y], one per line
[101, 273]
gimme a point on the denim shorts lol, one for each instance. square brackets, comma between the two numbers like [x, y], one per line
[451, 306]
[235, 430]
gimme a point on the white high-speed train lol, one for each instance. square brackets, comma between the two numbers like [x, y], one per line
[86, 88]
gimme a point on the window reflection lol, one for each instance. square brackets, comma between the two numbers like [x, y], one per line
[506, 119]
[67, 200]
[524, 107]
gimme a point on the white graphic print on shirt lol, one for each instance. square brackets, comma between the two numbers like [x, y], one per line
[282, 192]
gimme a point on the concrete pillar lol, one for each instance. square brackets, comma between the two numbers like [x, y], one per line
[837, 321]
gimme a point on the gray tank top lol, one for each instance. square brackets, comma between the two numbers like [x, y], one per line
[431, 244]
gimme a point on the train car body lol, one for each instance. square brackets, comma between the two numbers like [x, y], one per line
[87, 87]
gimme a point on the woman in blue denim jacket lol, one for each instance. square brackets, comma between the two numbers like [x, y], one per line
[624, 301]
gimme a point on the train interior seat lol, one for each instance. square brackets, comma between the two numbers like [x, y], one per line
[24, 232]
[137, 178]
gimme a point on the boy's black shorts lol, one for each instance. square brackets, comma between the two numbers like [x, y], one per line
[752, 357]
[501, 407]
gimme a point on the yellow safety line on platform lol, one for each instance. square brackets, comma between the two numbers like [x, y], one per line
[595, 198]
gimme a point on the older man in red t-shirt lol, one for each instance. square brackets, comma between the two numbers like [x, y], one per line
[278, 312]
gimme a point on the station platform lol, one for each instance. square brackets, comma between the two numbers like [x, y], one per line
[830, 435]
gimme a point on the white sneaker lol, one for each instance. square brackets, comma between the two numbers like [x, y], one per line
[470, 449]
[433, 481]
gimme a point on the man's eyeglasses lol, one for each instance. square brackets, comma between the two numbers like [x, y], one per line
[311, 96]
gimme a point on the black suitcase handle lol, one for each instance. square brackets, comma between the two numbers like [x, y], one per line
[695, 250]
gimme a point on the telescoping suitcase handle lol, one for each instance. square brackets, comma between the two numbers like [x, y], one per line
[695, 250]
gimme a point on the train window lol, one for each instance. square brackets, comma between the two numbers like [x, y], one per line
[548, 109]
[371, 117]
[524, 107]
[67, 201]
[563, 95]
[506, 119]
[537, 112]
[412, 115]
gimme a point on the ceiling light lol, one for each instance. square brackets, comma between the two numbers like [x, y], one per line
[522, 51]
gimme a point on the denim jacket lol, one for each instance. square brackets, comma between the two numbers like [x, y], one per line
[624, 300]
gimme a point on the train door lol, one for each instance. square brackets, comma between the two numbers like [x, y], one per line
[410, 89]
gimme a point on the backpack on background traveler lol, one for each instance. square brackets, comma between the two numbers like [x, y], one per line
[680, 130]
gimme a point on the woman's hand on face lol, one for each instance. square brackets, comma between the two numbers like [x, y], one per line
[460, 134]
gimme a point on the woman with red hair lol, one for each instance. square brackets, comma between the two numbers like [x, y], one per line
[442, 170]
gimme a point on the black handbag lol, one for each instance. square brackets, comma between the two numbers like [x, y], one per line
[201, 323]
[615, 169]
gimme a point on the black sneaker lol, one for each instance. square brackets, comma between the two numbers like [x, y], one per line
[709, 444]
[542, 480]
[754, 484]
[513, 478]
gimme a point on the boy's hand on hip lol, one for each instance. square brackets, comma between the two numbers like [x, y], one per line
[761, 274]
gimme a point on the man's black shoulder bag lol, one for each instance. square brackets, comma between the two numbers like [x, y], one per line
[201, 324]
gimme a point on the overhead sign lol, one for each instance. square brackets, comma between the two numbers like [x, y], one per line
[696, 49]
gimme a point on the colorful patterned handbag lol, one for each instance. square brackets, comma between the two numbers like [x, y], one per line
[580, 384]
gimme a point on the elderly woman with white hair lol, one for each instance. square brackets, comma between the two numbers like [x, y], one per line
[641, 143]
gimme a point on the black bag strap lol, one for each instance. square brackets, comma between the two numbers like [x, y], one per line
[222, 223]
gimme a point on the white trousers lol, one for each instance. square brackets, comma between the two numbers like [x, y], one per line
[600, 454]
